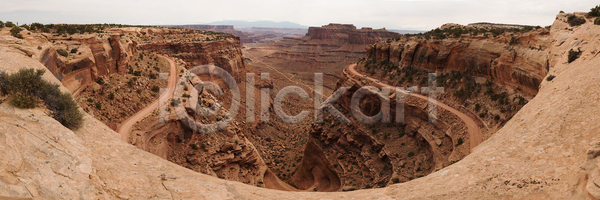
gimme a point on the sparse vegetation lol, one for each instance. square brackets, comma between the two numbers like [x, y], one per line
[594, 12]
[100, 81]
[573, 55]
[16, 32]
[27, 86]
[597, 21]
[175, 102]
[155, 88]
[62, 52]
[574, 20]
[9, 24]
[514, 41]
[401, 134]
[459, 141]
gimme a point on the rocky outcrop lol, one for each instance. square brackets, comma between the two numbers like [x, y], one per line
[523, 64]
[592, 169]
[345, 37]
[95, 56]
[226, 53]
[315, 171]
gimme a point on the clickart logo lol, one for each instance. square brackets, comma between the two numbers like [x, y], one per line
[320, 106]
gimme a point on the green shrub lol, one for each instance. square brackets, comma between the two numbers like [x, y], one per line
[100, 80]
[497, 117]
[368, 186]
[27, 86]
[62, 52]
[411, 154]
[66, 110]
[175, 102]
[155, 88]
[137, 73]
[111, 96]
[514, 41]
[396, 180]
[98, 105]
[90, 100]
[594, 12]
[401, 134]
[16, 32]
[575, 20]
[459, 141]
[139, 91]
[194, 146]
[550, 78]
[22, 101]
[1, 24]
[152, 76]
[597, 21]
[74, 50]
[573, 55]
[9, 24]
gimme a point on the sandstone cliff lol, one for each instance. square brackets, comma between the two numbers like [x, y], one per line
[84, 59]
[225, 53]
[522, 64]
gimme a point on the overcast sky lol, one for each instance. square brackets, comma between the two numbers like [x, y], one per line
[391, 14]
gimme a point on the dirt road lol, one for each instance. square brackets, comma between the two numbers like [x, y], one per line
[475, 135]
[125, 127]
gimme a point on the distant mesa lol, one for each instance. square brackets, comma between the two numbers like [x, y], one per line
[265, 24]
[485, 25]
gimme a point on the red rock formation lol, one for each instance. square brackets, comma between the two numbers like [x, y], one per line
[96, 56]
[315, 172]
[226, 54]
[345, 37]
[523, 64]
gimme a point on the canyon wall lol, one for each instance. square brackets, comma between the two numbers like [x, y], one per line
[523, 64]
[345, 37]
[215, 28]
[94, 56]
[225, 53]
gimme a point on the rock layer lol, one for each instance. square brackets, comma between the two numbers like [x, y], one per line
[523, 65]
[95, 56]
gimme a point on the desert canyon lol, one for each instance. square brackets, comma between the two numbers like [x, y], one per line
[516, 118]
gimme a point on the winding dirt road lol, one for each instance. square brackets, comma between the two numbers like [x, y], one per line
[475, 135]
[125, 127]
